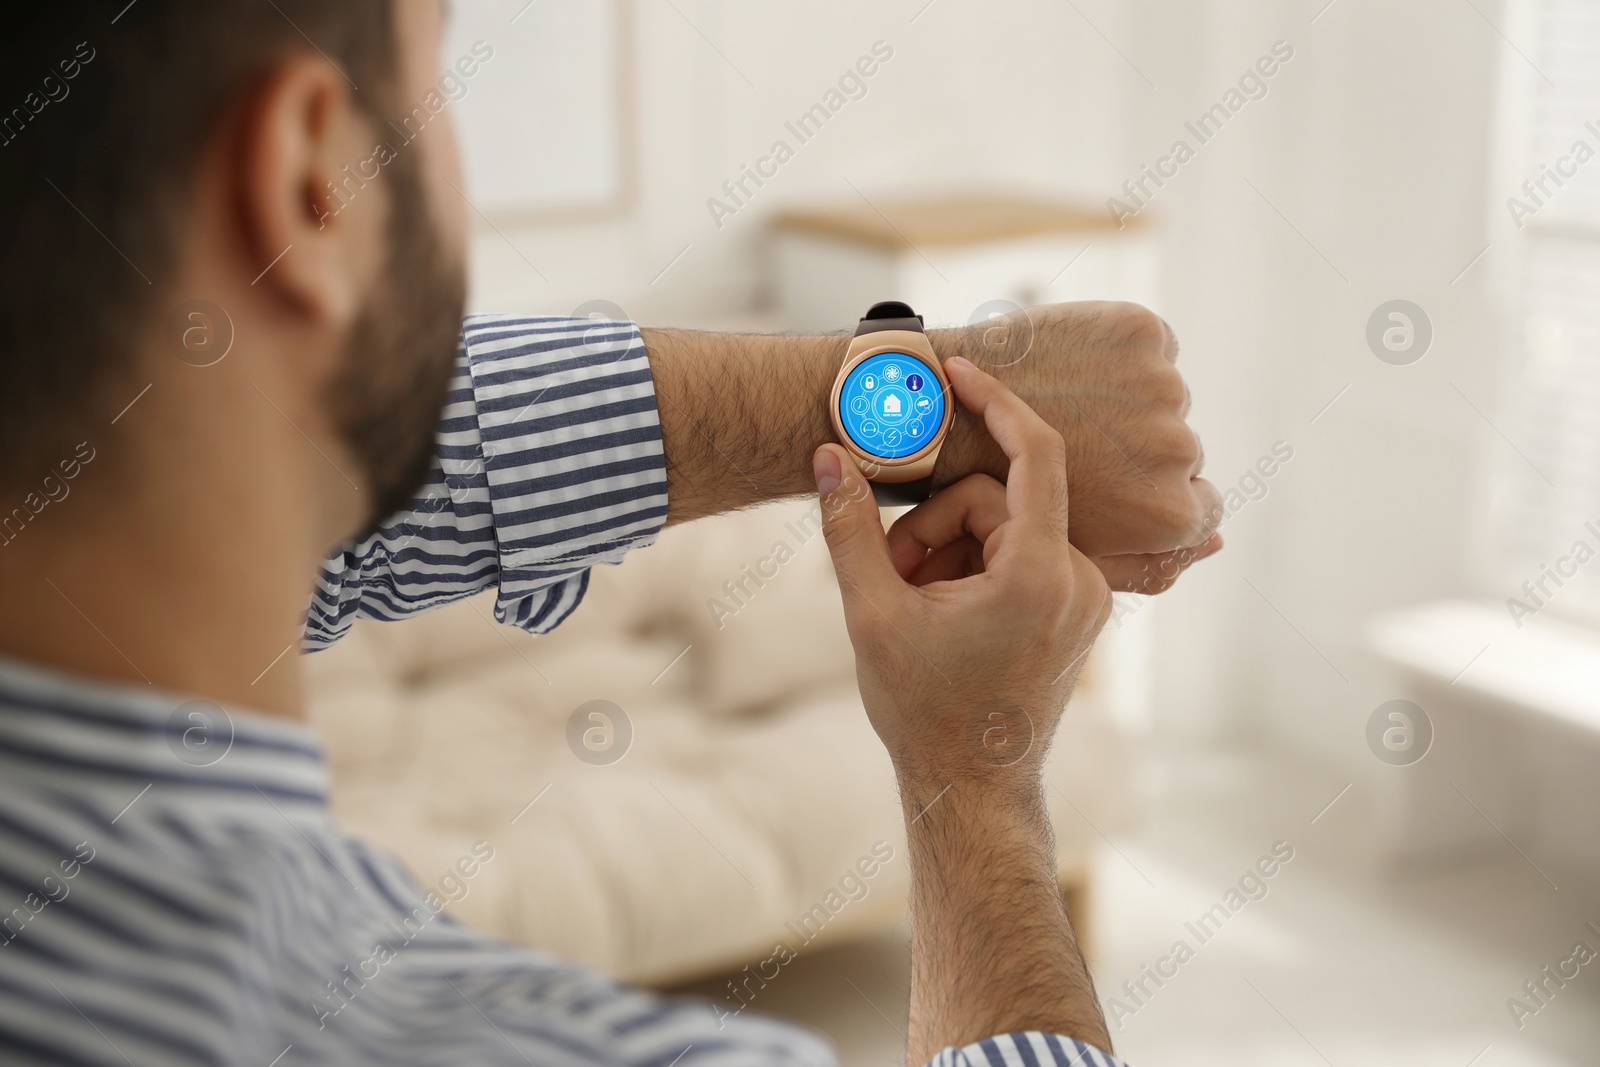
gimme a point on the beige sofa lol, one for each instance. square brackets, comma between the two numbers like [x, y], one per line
[740, 814]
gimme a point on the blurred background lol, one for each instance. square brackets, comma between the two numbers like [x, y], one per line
[1374, 226]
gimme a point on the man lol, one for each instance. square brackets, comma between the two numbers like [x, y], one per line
[222, 356]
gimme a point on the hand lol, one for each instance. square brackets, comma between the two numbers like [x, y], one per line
[970, 621]
[1104, 376]
[975, 612]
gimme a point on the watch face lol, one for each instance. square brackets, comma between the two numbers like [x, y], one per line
[891, 405]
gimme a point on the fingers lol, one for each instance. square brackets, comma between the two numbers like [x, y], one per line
[971, 508]
[1036, 485]
[1192, 509]
[853, 529]
[961, 558]
[1158, 520]
[1184, 510]
[1154, 572]
[1177, 510]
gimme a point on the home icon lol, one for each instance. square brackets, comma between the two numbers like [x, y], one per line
[891, 405]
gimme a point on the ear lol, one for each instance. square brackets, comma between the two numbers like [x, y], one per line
[313, 224]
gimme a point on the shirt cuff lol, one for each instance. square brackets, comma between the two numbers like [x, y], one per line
[571, 443]
[1030, 1047]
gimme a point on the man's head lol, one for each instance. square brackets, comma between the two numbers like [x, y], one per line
[280, 161]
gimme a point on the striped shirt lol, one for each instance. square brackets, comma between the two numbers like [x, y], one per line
[549, 462]
[172, 890]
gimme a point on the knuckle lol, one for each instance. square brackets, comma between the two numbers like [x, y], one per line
[1180, 516]
[1212, 510]
[986, 484]
[1167, 387]
[1046, 441]
[1169, 442]
[972, 489]
[1183, 446]
[1137, 326]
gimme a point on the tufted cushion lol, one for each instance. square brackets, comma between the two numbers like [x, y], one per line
[752, 784]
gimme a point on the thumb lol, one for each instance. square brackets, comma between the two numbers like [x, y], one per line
[852, 526]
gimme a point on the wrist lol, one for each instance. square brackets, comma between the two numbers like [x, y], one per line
[1006, 809]
[968, 448]
[988, 737]
[820, 359]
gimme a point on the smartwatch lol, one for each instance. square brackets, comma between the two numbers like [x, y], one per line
[891, 404]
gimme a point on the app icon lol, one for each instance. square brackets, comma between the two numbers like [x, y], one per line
[915, 429]
[914, 382]
[869, 382]
[924, 404]
[891, 373]
[891, 405]
[891, 438]
[869, 428]
[859, 405]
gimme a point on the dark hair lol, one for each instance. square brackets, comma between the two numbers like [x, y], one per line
[104, 108]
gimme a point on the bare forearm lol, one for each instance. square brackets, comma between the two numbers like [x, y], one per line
[992, 949]
[740, 415]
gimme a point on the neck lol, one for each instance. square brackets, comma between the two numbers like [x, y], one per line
[193, 579]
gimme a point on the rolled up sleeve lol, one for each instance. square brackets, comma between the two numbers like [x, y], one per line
[1032, 1048]
[549, 461]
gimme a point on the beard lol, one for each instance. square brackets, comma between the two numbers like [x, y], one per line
[389, 393]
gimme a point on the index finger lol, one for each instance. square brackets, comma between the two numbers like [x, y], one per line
[1036, 487]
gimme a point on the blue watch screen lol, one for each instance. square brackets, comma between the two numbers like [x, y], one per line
[891, 405]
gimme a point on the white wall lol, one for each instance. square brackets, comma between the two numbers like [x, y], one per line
[1020, 94]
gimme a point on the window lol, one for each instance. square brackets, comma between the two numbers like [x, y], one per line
[1547, 501]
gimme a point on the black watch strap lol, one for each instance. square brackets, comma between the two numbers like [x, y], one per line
[890, 315]
[902, 494]
[894, 315]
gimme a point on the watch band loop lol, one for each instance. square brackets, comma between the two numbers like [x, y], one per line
[902, 494]
[890, 315]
